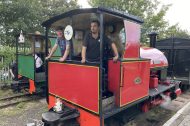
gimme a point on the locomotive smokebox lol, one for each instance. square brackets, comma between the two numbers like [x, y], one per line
[153, 37]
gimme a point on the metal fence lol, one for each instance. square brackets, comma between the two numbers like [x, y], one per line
[5, 76]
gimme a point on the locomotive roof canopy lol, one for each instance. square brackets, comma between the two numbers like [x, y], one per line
[69, 14]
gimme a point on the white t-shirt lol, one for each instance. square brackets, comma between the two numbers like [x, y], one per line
[37, 44]
[39, 61]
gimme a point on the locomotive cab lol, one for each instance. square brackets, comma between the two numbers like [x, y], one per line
[89, 93]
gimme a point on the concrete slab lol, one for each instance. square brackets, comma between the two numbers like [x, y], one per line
[186, 96]
[186, 121]
[180, 99]
[178, 120]
[181, 118]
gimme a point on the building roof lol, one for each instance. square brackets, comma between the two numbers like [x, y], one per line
[176, 43]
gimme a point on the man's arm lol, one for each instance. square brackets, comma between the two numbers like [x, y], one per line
[65, 54]
[116, 55]
[83, 54]
[13, 76]
[84, 47]
[52, 51]
[13, 67]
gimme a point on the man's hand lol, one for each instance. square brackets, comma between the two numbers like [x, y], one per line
[13, 76]
[83, 60]
[61, 59]
[48, 57]
[115, 58]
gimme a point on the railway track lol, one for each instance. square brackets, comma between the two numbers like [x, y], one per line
[16, 99]
[159, 115]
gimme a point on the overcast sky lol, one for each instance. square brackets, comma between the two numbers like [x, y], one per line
[178, 12]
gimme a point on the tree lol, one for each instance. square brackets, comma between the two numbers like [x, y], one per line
[151, 11]
[8, 55]
[27, 15]
[17, 15]
[52, 8]
[176, 31]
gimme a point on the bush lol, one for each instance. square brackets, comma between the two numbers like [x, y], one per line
[7, 54]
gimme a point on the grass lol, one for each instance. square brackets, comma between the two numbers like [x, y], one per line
[20, 108]
[11, 111]
[2, 122]
[6, 93]
[21, 105]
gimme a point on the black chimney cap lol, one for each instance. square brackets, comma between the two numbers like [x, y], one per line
[153, 33]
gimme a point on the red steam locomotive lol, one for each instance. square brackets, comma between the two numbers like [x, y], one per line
[88, 94]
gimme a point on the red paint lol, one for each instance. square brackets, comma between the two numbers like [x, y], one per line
[19, 76]
[145, 107]
[135, 81]
[150, 104]
[88, 119]
[52, 101]
[178, 91]
[132, 31]
[156, 102]
[114, 79]
[157, 58]
[32, 87]
[78, 84]
[162, 64]
[153, 82]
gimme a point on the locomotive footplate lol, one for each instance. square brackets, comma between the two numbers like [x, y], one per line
[116, 110]
[162, 88]
[54, 118]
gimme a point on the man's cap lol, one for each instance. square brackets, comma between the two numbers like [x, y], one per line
[37, 33]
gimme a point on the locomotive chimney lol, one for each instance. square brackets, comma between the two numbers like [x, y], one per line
[152, 36]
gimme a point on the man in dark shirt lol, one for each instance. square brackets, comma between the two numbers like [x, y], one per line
[13, 71]
[91, 45]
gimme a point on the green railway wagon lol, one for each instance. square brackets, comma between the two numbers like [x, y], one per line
[31, 50]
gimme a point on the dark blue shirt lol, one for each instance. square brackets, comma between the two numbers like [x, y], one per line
[62, 44]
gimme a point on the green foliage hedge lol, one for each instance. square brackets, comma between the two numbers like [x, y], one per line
[8, 54]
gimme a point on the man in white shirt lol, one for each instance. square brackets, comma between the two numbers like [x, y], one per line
[39, 64]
